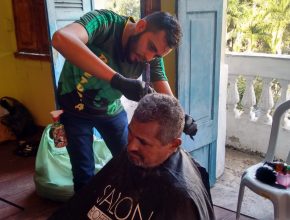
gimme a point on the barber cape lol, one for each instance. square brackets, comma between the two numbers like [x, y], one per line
[121, 190]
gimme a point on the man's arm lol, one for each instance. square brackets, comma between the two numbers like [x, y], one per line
[162, 87]
[71, 41]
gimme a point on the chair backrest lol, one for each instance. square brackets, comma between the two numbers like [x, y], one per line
[280, 110]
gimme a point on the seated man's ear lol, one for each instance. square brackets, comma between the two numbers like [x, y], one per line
[175, 143]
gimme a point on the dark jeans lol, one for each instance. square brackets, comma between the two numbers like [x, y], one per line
[79, 132]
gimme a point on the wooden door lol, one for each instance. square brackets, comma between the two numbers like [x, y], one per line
[59, 14]
[198, 75]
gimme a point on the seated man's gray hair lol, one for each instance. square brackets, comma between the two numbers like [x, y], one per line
[164, 109]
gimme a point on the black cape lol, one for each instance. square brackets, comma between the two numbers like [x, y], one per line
[172, 191]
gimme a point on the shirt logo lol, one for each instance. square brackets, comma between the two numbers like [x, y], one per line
[80, 86]
[97, 214]
[117, 206]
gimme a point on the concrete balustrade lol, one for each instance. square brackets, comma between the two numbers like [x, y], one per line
[249, 128]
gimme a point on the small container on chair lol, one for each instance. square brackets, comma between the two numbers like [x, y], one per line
[283, 179]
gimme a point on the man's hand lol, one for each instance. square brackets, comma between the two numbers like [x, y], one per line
[132, 89]
[190, 127]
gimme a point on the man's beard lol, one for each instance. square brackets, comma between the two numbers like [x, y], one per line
[138, 163]
[131, 46]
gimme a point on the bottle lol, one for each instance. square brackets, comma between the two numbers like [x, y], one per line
[57, 130]
[279, 167]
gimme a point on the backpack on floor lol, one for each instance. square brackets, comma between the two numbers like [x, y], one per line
[17, 119]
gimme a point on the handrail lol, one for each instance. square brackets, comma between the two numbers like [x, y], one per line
[265, 65]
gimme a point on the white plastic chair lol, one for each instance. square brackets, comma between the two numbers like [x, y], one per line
[279, 197]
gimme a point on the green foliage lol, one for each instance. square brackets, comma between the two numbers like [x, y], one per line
[258, 26]
[258, 85]
[125, 7]
[276, 90]
[241, 84]
[286, 41]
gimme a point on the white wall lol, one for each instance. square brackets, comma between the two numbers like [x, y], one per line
[254, 136]
[222, 125]
[129, 106]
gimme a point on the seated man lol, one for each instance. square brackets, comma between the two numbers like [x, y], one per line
[154, 178]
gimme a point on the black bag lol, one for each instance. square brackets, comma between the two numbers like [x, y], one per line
[19, 120]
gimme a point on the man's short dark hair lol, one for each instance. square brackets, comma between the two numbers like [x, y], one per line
[158, 21]
[164, 109]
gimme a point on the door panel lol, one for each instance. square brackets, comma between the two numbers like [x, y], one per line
[198, 75]
[61, 13]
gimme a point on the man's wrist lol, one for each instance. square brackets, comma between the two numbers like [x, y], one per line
[115, 80]
[112, 76]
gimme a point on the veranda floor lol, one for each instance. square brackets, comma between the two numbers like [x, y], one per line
[17, 186]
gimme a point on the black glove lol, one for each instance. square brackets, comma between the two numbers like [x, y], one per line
[132, 89]
[190, 127]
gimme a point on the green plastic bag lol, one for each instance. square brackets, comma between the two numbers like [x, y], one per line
[53, 175]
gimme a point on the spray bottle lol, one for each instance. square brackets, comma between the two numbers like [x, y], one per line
[57, 130]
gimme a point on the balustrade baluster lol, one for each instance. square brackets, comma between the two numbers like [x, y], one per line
[284, 90]
[249, 99]
[233, 95]
[266, 102]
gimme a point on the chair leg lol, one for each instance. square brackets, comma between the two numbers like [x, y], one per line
[281, 209]
[240, 199]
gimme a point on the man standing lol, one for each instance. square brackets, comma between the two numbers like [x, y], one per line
[153, 179]
[105, 54]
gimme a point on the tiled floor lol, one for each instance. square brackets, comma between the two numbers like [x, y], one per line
[222, 213]
[225, 191]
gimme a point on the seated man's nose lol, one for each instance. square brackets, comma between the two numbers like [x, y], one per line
[149, 56]
[132, 146]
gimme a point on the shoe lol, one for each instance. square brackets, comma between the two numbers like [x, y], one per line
[26, 149]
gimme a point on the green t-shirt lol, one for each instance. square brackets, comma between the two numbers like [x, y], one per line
[87, 96]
